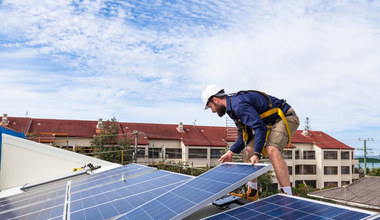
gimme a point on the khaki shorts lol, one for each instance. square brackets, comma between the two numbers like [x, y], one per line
[278, 136]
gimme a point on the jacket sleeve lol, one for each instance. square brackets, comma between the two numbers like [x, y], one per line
[250, 117]
[238, 145]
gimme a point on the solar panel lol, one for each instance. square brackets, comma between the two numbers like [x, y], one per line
[134, 193]
[52, 192]
[51, 198]
[282, 206]
[103, 200]
[198, 192]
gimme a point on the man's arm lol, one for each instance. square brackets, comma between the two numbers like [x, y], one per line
[236, 148]
[249, 116]
[227, 157]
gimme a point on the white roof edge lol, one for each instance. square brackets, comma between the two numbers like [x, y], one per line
[49, 150]
[17, 190]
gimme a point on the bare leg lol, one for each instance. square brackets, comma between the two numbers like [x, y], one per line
[279, 166]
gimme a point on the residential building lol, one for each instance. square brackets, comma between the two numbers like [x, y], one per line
[314, 158]
[319, 160]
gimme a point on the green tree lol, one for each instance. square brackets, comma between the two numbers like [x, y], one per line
[302, 190]
[375, 172]
[265, 183]
[110, 145]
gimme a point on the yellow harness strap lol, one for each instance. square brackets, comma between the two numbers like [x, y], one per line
[282, 116]
[264, 115]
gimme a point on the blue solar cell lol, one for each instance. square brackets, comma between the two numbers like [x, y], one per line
[282, 206]
[49, 201]
[130, 194]
[107, 210]
[24, 202]
[267, 208]
[352, 215]
[330, 212]
[289, 214]
[92, 213]
[122, 205]
[194, 194]
[77, 215]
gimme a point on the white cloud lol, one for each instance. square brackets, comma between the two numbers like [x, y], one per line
[147, 62]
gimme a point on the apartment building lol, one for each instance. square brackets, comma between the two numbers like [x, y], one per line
[319, 160]
[314, 157]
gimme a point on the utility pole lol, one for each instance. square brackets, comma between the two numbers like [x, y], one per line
[136, 140]
[365, 152]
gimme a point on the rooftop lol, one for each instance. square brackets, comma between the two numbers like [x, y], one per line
[363, 193]
[193, 135]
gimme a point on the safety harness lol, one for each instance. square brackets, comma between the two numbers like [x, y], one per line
[266, 114]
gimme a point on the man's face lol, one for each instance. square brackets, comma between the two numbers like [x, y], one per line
[216, 107]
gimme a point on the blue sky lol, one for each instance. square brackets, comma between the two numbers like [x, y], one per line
[148, 61]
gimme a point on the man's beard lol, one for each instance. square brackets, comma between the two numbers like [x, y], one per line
[221, 110]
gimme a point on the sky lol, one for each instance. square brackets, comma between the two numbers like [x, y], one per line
[148, 61]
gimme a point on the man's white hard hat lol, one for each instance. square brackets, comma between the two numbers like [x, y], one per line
[211, 90]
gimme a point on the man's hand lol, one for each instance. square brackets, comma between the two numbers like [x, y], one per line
[227, 157]
[254, 159]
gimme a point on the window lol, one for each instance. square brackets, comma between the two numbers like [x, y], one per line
[345, 155]
[197, 153]
[287, 154]
[345, 169]
[140, 152]
[274, 186]
[298, 183]
[331, 184]
[309, 169]
[330, 155]
[216, 153]
[306, 169]
[298, 169]
[309, 155]
[312, 183]
[290, 169]
[154, 153]
[345, 183]
[173, 153]
[331, 170]
[297, 156]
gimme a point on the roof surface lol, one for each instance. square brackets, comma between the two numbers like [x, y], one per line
[320, 139]
[365, 191]
[191, 135]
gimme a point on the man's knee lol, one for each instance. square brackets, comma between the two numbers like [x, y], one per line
[273, 151]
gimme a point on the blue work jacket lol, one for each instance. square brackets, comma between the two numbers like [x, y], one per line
[247, 106]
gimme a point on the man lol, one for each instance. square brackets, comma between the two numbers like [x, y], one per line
[245, 108]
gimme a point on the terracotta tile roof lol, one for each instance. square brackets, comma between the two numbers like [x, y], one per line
[365, 191]
[18, 124]
[320, 139]
[73, 128]
[192, 135]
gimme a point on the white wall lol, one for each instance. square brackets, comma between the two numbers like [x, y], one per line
[73, 141]
[26, 162]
